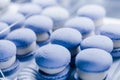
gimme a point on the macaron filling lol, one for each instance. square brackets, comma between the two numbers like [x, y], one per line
[26, 50]
[91, 76]
[52, 71]
[8, 63]
[116, 43]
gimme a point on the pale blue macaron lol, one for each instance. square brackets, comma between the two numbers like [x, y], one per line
[13, 18]
[98, 41]
[82, 24]
[52, 56]
[45, 3]
[22, 38]
[112, 31]
[40, 24]
[67, 37]
[4, 30]
[29, 9]
[93, 57]
[7, 51]
[94, 12]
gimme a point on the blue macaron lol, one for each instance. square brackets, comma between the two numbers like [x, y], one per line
[94, 12]
[22, 38]
[112, 31]
[14, 20]
[4, 28]
[29, 9]
[98, 41]
[82, 24]
[58, 14]
[90, 60]
[67, 37]
[45, 3]
[52, 56]
[40, 24]
[8, 51]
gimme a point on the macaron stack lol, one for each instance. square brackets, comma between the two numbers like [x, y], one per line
[45, 3]
[112, 31]
[98, 41]
[42, 26]
[90, 64]
[79, 23]
[25, 41]
[51, 63]
[8, 62]
[5, 27]
[94, 12]
[69, 38]
[14, 20]
[29, 9]
[58, 14]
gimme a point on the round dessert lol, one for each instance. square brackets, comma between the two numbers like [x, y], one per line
[29, 9]
[8, 62]
[90, 65]
[112, 31]
[42, 26]
[82, 24]
[98, 41]
[25, 41]
[58, 14]
[52, 58]
[14, 20]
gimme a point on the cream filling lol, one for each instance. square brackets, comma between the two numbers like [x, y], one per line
[75, 51]
[116, 43]
[88, 35]
[24, 51]
[8, 63]
[42, 37]
[98, 23]
[91, 76]
[51, 71]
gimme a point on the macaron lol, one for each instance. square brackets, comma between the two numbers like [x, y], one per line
[90, 65]
[45, 3]
[29, 9]
[98, 41]
[42, 26]
[31, 73]
[83, 24]
[94, 12]
[4, 30]
[25, 41]
[8, 62]
[52, 58]
[14, 20]
[112, 31]
[58, 14]
[67, 37]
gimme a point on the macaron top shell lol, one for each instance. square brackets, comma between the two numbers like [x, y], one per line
[92, 11]
[66, 37]
[57, 13]
[93, 60]
[97, 41]
[7, 50]
[22, 37]
[82, 24]
[111, 30]
[52, 56]
[29, 9]
[39, 23]
[11, 18]
[45, 3]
